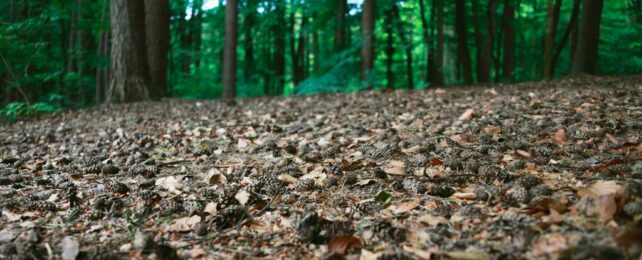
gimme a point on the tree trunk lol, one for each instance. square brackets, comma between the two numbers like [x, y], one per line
[462, 42]
[390, 49]
[367, 42]
[340, 30]
[248, 61]
[157, 18]
[439, 54]
[279, 48]
[430, 70]
[197, 31]
[585, 58]
[407, 46]
[552, 16]
[128, 80]
[229, 51]
[483, 40]
[103, 42]
[509, 40]
[316, 53]
[571, 23]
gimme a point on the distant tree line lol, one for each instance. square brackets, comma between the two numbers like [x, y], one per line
[75, 53]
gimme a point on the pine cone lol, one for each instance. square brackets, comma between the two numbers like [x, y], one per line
[116, 187]
[109, 169]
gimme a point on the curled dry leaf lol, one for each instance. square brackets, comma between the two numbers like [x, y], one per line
[287, 179]
[560, 136]
[342, 244]
[553, 243]
[523, 154]
[467, 115]
[210, 208]
[404, 207]
[242, 197]
[465, 195]
[70, 248]
[183, 224]
[492, 130]
[602, 197]
[214, 176]
[170, 184]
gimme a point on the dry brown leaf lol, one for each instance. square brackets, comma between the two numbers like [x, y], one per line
[210, 208]
[523, 153]
[342, 244]
[492, 130]
[214, 176]
[367, 255]
[560, 136]
[552, 243]
[468, 255]
[184, 224]
[432, 220]
[467, 115]
[465, 195]
[397, 170]
[170, 184]
[242, 197]
[287, 179]
[405, 207]
[260, 226]
[365, 182]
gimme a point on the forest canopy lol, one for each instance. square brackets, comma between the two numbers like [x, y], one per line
[72, 54]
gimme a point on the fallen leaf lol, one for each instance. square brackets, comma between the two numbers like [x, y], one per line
[551, 243]
[432, 220]
[11, 216]
[170, 184]
[467, 115]
[560, 136]
[210, 208]
[405, 207]
[383, 197]
[365, 182]
[70, 248]
[397, 170]
[435, 161]
[342, 244]
[367, 255]
[214, 176]
[242, 197]
[468, 255]
[184, 224]
[287, 179]
[492, 130]
[465, 195]
[523, 153]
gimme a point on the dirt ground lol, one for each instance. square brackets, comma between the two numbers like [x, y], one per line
[534, 170]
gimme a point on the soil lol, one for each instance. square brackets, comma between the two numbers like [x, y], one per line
[534, 170]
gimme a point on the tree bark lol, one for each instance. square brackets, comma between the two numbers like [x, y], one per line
[157, 18]
[430, 68]
[340, 30]
[279, 48]
[248, 61]
[462, 42]
[407, 46]
[585, 58]
[552, 16]
[484, 42]
[439, 54]
[128, 80]
[390, 49]
[509, 40]
[571, 23]
[367, 42]
[229, 51]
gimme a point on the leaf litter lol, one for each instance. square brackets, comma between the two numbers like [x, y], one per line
[518, 171]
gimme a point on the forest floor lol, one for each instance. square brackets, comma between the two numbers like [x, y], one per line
[528, 170]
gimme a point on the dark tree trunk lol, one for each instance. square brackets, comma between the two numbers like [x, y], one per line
[128, 61]
[229, 51]
[585, 58]
[340, 30]
[298, 50]
[439, 54]
[103, 42]
[552, 16]
[509, 40]
[484, 42]
[406, 40]
[279, 48]
[367, 42]
[462, 42]
[157, 18]
[390, 49]
[430, 70]
[248, 61]
[197, 31]
[571, 23]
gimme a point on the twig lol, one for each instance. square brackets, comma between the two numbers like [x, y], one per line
[172, 162]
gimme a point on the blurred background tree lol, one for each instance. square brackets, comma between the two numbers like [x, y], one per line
[70, 54]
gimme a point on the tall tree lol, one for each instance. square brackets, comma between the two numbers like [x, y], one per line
[484, 40]
[406, 41]
[552, 16]
[367, 41]
[157, 17]
[340, 30]
[128, 57]
[585, 58]
[249, 22]
[279, 47]
[462, 42]
[569, 28]
[102, 76]
[229, 52]
[438, 62]
[508, 18]
[427, 41]
[390, 48]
